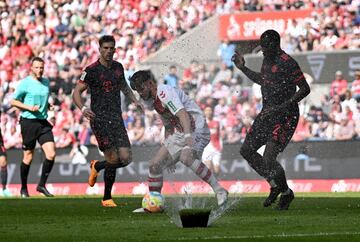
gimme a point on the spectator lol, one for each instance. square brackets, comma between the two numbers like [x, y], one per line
[349, 101]
[224, 74]
[171, 78]
[355, 86]
[66, 139]
[320, 126]
[225, 51]
[338, 86]
[346, 129]
[302, 131]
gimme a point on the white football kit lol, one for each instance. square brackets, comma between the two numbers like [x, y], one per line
[168, 102]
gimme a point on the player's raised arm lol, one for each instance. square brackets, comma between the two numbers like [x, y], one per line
[239, 62]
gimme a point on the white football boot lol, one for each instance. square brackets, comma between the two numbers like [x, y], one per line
[222, 196]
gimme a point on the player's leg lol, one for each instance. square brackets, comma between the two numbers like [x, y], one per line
[191, 158]
[254, 159]
[115, 158]
[96, 166]
[156, 167]
[255, 138]
[3, 173]
[276, 176]
[46, 140]
[278, 143]
[109, 176]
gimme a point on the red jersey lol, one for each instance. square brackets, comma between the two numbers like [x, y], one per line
[215, 140]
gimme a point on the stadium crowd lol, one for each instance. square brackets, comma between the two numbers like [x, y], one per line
[65, 34]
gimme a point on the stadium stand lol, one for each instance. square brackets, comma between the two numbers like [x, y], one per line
[65, 34]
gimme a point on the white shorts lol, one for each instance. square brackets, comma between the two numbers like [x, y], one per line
[211, 154]
[176, 142]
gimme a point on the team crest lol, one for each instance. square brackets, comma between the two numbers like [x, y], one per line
[107, 86]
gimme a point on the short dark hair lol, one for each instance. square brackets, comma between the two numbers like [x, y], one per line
[106, 39]
[39, 59]
[270, 39]
[140, 77]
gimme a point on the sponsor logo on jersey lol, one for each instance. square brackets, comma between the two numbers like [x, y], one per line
[172, 106]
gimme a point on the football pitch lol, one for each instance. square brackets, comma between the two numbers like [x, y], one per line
[311, 217]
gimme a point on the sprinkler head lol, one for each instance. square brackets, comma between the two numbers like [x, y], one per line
[194, 217]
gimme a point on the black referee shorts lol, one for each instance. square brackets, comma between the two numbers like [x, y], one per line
[33, 130]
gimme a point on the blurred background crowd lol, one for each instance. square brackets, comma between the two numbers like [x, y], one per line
[65, 34]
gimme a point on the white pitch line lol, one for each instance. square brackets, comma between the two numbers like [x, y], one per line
[321, 234]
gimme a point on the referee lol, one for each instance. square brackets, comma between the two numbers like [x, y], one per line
[31, 96]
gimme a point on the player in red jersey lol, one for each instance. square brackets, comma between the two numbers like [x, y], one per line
[212, 152]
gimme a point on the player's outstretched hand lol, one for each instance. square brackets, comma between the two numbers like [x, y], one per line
[238, 60]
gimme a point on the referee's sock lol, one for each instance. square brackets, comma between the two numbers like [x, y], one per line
[109, 179]
[46, 169]
[24, 172]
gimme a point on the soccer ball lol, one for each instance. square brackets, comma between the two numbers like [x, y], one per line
[153, 202]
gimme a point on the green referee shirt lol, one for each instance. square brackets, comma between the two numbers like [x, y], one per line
[31, 91]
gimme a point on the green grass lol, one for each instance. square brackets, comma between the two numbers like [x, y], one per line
[312, 217]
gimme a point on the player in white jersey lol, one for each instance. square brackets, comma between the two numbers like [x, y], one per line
[212, 152]
[186, 132]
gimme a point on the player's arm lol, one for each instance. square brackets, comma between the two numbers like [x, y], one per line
[170, 98]
[239, 62]
[128, 91]
[300, 81]
[130, 94]
[80, 87]
[184, 121]
[304, 89]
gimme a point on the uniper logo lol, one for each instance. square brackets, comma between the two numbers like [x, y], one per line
[316, 63]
